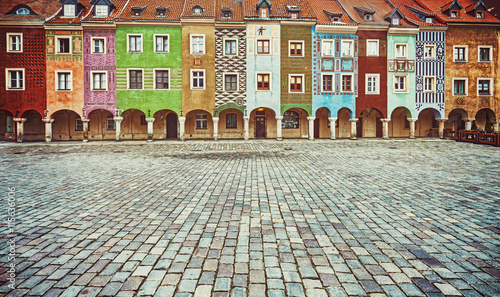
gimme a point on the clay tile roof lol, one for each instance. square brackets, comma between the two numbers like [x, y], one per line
[42, 8]
[419, 9]
[279, 9]
[234, 7]
[324, 7]
[349, 6]
[150, 12]
[58, 19]
[118, 7]
[409, 8]
[208, 7]
[436, 7]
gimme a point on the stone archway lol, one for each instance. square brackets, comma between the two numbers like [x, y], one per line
[427, 125]
[369, 123]
[134, 125]
[343, 123]
[199, 125]
[322, 123]
[295, 124]
[483, 117]
[34, 127]
[68, 125]
[399, 126]
[7, 127]
[263, 123]
[166, 124]
[456, 119]
[231, 124]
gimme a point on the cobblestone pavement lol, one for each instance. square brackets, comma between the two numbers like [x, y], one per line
[257, 218]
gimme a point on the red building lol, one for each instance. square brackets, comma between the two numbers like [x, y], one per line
[22, 68]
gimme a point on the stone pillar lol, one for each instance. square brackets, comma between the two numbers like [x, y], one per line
[412, 127]
[353, 128]
[311, 127]
[48, 129]
[216, 127]
[468, 123]
[246, 121]
[278, 127]
[385, 128]
[20, 128]
[333, 122]
[118, 127]
[150, 128]
[85, 130]
[441, 127]
[496, 126]
[182, 122]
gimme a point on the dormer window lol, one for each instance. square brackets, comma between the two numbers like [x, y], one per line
[226, 13]
[137, 10]
[395, 21]
[336, 20]
[161, 11]
[101, 10]
[368, 17]
[454, 14]
[197, 10]
[264, 12]
[480, 14]
[428, 20]
[22, 11]
[69, 10]
[294, 15]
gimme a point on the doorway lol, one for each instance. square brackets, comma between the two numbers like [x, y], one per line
[260, 127]
[172, 125]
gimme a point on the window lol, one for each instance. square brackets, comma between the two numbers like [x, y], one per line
[98, 45]
[143, 120]
[69, 10]
[429, 52]
[101, 10]
[479, 14]
[197, 10]
[201, 121]
[63, 45]
[15, 42]
[226, 14]
[263, 82]
[368, 17]
[161, 43]
[372, 47]
[263, 46]
[63, 81]
[231, 121]
[230, 47]
[347, 48]
[327, 47]
[197, 79]
[327, 82]
[290, 120]
[460, 87]
[263, 12]
[485, 53]
[296, 48]
[294, 15]
[135, 79]
[484, 86]
[134, 43]
[22, 11]
[162, 79]
[78, 124]
[296, 83]
[372, 84]
[460, 53]
[347, 83]
[429, 84]
[198, 44]
[395, 21]
[400, 85]
[110, 123]
[454, 14]
[429, 20]
[230, 82]
[99, 82]
[14, 79]
[401, 50]
[336, 20]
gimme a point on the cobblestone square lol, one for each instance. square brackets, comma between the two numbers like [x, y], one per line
[259, 218]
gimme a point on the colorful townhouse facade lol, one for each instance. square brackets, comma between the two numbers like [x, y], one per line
[192, 69]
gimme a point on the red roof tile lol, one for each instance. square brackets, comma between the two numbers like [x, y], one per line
[350, 6]
[118, 4]
[323, 7]
[407, 8]
[174, 9]
[236, 8]
[279, 9]
[43, 9]
[208, 7]
[465, 17]
[58, 19]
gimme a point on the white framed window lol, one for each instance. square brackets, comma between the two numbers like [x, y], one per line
[460, 53]
[296, 48]
[264, 12]
[347, 82]
[294, 15]
[201, 121]
[263, 81]
[347, 48]
[400, 83]
[101, 10]
[98, 45]
[135, 79]
[480, 14]
[63, 45]
[78, 124]
[263, 46]
[98, 81]
[429, 20]
[485, 53]
[368, 17]
[401, 50]
[296, 83]
[429, 84]
[372, 83]
[197, 79]
[22, 11]
[134, 43]
[162, 43]
[197, 44]
[162, 79]
[429, 52]
[69, 10]
[460, 86]
[327, 47]
[327, 82]
[372, 47]
[64, 80]
[14, 42]
[395, 21]
[484, 86]
[110, 123]
[230, 46]
[14, 79]
[454, 14]
[231, 82]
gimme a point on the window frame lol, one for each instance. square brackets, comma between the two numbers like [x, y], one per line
[405, 45]
[191, 79]
[264, 9]
[285, 123]
[398, 91]
[322, 82]
[107, 123]
[456, 12]
[92, 80]
[490, 86]
[377, 84]
[301, 42]
[490, 53]
[235, 120]
[302, 84]
[101, 15]
[203, 119]
[154, 78]
[433, 47]
[466, 53]
[128, 78]
[466, 86]
[79, 124]
[58, 46]
[342, 82]
[332, 43]
[128, 43]
[56, 77]
[191, 44]
[92, 47]
[268, 40]
[224, 52]
[237, 81]
[65, 15]
[351, 52]
[377, 47]
[155, 43]
[395, 22]
[9, 42]
[479, 14]
[269, 74]
[8, 85]
[433, 90]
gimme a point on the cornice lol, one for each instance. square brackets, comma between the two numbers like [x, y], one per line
[346, 29]
[402, 31]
